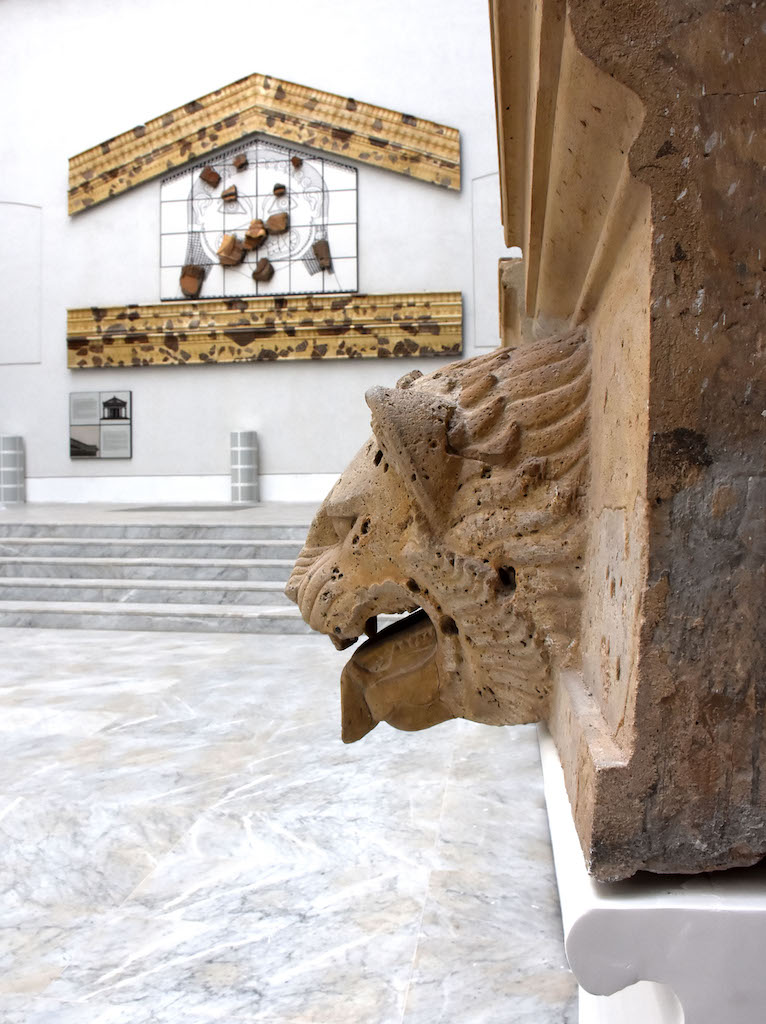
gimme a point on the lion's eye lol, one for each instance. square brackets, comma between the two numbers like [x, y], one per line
[342, 525]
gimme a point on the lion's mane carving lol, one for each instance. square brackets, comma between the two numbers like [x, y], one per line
[465, 509]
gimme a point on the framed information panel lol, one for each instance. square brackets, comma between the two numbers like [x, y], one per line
[100, 425]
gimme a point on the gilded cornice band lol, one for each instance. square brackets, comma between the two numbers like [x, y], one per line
[260, 329]
[259, 103]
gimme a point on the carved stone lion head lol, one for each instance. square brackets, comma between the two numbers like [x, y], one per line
[465, 511]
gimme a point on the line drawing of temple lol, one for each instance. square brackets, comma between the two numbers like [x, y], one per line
[114, 408]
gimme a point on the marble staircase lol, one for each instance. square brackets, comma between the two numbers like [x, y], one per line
[176, 576]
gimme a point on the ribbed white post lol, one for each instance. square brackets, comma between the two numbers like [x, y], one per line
[12, 470]
[244, 466]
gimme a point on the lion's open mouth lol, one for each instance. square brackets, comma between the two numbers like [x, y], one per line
[393, 677]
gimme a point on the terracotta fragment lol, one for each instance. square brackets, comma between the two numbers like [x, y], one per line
[210, 176]
[296, 161]
[231, 251]
[255, 235]
[240, 161]
[321, 250]
[192, 277]
[229, 194]
[277, 223]
[264, 271]
[279, 189]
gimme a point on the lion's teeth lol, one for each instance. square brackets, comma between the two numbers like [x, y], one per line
[371, 626]
[341, 645]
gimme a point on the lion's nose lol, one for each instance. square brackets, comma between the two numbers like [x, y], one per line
[321, 532]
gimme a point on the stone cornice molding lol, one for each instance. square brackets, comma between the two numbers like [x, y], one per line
[322, 121]
[268, 328]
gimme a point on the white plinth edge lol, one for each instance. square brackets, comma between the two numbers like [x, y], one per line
[700, 938]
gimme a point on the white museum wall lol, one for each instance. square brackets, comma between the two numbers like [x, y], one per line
[76, 72]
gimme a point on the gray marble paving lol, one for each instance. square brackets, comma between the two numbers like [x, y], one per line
[185, 839]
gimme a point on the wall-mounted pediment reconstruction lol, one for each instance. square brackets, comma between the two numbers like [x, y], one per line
[323, 121]
[275, 250]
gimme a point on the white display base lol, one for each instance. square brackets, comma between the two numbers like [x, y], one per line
[694, 942]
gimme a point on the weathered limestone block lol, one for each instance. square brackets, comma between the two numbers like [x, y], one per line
[618, 596]
[634, 188]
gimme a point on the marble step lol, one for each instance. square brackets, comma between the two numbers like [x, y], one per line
[225, 592]
[159, 531]
[274, 569]
[147, 547]
[181, 618]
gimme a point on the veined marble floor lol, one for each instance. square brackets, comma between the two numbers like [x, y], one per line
[185, 839]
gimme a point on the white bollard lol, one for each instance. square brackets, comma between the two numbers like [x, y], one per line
[12, 470]
[244, 466]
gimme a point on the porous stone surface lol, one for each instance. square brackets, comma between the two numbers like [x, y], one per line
[642, 218]
[465, 509]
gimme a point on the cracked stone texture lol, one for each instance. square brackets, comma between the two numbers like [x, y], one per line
[645, 220]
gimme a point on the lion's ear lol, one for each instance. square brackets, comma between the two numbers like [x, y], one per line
[412, 429]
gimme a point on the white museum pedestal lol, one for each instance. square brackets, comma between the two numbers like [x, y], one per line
[657, 949]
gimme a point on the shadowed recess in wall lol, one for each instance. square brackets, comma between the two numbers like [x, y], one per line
[262, 329]
[259, 103]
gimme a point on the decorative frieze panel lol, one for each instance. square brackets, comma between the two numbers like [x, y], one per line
[253, 220]
[259, 329]
[295, 113]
